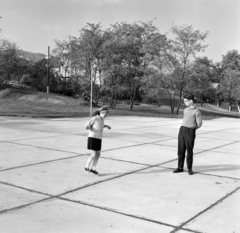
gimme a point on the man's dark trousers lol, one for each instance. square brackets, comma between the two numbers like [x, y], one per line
[186, 138]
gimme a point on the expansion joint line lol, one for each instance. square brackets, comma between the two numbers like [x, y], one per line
[40, 147]
[117, 212]
[112, 178]
[24, 206]
[47, 161]
[141, 144]
[216, 147]
[181, 227]
[59, 195]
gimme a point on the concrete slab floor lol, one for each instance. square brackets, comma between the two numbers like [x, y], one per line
[44, 188]
[59, 176]
[19, 155]
[145, 193]
[208, 221]
[57, 216]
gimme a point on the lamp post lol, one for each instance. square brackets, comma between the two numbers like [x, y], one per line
[91, 73]
[48, 70]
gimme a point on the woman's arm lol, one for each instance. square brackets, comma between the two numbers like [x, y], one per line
[90, 123]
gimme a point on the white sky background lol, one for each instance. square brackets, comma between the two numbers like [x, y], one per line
[34, 24]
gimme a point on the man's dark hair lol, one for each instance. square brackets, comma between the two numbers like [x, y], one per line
[188, 96]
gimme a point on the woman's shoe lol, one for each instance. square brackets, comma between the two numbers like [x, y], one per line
[86, 169]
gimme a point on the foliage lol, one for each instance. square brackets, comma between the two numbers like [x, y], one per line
[174, 63]
[200, 78]
[152, 100]
[230, 82]
[8, 60]
[180, 55]
[129, 51]
[124, 61]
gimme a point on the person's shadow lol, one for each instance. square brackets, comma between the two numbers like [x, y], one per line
[145, 171]
[197, 169]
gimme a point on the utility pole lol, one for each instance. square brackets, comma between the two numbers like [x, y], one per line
[91, 74]
[48, 70]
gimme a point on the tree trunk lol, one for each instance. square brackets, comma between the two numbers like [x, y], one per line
[64, 86]
[179, 103]
[230, 107]
[171, 103]
[238, 107]
[115, 102]
[201, 100]
[97, 98]
[112, 98]
[132, 99]
[112, 101]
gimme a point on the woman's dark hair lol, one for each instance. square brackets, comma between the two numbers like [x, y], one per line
[97, 112]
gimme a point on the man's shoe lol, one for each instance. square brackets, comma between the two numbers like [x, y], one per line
[94, 172]
[190, 172]
[178, 170]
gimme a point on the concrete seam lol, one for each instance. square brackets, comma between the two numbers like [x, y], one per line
[26, 189]
[215, 148]
[47, 161]
[46, 148]
[180, 227]
[59, 195]
[139, 144]
[117, 212]
[109, 179]
[24, 206]
[71, 157]
[39, 137]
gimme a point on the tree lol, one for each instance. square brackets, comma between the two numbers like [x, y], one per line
[38, 76]
[62, 54]
[200, 78]
[180, 54]
[161, 79]
[230, 83]
[9, 63]
[86, 52]
[134, 47]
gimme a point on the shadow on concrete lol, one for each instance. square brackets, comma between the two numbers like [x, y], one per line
[156, 170]
[217, 167]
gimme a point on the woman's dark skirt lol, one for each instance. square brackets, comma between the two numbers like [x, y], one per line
[94, 144]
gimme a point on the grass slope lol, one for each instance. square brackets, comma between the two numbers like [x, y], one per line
[29, 103]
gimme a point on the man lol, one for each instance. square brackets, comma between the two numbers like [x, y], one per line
[191, 121]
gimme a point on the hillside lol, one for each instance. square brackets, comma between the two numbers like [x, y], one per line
[34, 57]
[24, 102]
[41, 97]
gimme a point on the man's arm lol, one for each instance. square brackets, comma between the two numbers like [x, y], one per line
[107, 126]
[198, 119]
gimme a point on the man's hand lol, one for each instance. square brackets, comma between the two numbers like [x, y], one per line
[107, 126]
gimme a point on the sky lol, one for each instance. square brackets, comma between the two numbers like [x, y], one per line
[35, 24]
